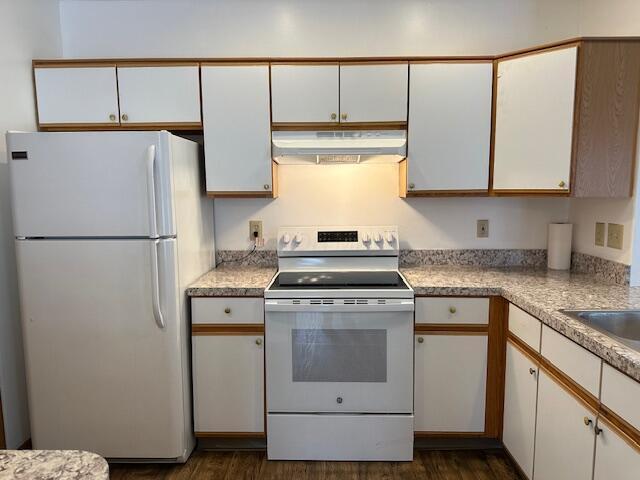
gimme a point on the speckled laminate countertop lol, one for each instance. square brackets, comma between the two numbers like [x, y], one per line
[539, 292]
[52, 465]
[232, 281]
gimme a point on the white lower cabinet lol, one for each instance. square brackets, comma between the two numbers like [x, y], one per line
[564, 445]
[450, 383]
[520, 398]
[615, 458]
[228, 383]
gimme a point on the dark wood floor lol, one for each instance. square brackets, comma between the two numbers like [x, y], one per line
[427, 464]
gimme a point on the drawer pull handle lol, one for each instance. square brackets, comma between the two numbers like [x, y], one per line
[532, 371]
[420, 340]
[258, 341]
[339, 399]
[587, 421]
[227, 310]
[334, 116]
[452, 310]
[597, 430]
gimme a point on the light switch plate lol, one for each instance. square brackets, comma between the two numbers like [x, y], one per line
[482, 230]
[600, 229]
[615, 233]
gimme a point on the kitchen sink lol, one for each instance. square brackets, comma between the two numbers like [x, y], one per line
[621, 325]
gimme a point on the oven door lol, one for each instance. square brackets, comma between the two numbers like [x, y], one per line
[355, 358]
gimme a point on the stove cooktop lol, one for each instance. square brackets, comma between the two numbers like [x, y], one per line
[327, 280]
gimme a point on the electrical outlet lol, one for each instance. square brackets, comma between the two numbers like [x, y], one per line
[600, 229]
[615, 233]
[255, 231]
[482, 230]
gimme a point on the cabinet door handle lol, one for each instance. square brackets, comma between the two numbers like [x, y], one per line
[562, 184]
[339, 400]
[343, 116]
[334, 116]
[532, 371]
[452, 310]
[597, 430]
[587, 421]
[412, 185]
[112, 117]
[125, 117]
[227, 310]
[266, 186]
[258, 341]
[420, 340]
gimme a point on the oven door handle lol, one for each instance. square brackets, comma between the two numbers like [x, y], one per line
[287, 306]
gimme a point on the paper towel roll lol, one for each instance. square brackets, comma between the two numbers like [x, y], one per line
[559, 246]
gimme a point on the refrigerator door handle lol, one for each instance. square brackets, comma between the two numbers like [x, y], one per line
[155, 285]
[151, 189]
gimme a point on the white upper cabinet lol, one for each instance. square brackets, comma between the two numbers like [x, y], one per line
[77, 95]
[159, 94]
[304, 93]
[450, 119]
[520, 396]
[237, 130]
[374, 92]
[534, 121]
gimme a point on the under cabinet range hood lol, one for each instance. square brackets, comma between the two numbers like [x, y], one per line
[338, 146]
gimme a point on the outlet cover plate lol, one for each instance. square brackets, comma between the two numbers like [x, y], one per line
[600, 229]
[615, 233]
[482, 230]
[255, 226]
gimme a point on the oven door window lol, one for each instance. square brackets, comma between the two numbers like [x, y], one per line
[339, 355]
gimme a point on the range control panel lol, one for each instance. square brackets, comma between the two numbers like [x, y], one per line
[335, 241]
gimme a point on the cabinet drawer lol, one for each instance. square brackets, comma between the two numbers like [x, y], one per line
[228, 383]
[227, 310]
[452, 310]
[621, 394]
[569, 357]
[525, 327]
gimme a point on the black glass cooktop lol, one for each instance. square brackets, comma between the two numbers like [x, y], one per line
[339, 280]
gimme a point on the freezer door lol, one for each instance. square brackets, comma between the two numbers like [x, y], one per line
[91, 184]
[104, 374]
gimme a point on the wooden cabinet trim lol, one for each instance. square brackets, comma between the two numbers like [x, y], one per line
[227, 329]
[528, 193]
[156, 63]
[242, 194]
[230, 434]
[522, 347]
[540, 49]
[496, 366]
[451, 329]
[625, 430]
[448, 193]
[304, 126]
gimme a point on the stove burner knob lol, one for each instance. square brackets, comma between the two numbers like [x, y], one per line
[339, 399]
[366, 238]
[297, 239]
[378, 238]
[286, 238]
[390, 237]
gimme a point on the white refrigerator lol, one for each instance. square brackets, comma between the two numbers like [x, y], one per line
[110, 229]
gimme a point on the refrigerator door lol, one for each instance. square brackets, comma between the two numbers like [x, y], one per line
[91, 184]
[103, 341]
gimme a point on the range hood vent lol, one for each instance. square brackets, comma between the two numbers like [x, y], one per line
[339, 146]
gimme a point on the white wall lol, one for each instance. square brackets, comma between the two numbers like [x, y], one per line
[368, 195]
[341, 194]
[28, 28]
[219, 28]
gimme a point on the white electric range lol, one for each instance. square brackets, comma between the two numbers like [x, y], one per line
[339, 347]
